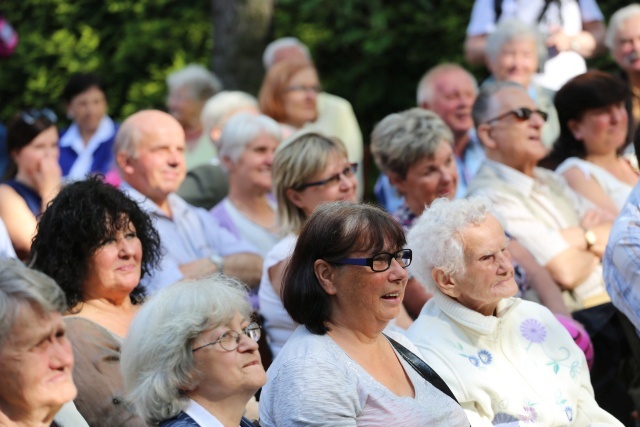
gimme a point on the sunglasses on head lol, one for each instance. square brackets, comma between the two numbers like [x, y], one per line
[32, 115]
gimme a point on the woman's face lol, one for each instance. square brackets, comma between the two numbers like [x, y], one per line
[184, 107]
[115, 267]
[44, 147]
[516, 62]
[253, 167]
[227, 373]
[300, 98]
[36, 363]
[602, 130]
[429, 178]
[342, 186]
[88, 108]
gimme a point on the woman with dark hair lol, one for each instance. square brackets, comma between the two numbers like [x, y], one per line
[33, 175]
[593, 132]
[96, 243]
[86, 146]
[344, 284]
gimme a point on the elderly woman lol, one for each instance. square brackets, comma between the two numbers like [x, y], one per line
[344, 284]
[35, 355]
[513, 54]
[507, 361]
[189, 89]
[87, 145]
[593, 132]
[247, 146]
[307, 171]
[97, 244]
[33, 175]
[191, 357]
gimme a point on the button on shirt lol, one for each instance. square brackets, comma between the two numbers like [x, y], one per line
[189, 235]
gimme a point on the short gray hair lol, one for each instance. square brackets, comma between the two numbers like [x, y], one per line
[269, 54]
[218, 108]
[296, 161]
[435, 236]
[617, 19]
[402, 139]
[201, 83]
[425, 93]
[127, 140]
[157, 359]
[22, 287]
[243, 128]
[510, 30]
[483, 105]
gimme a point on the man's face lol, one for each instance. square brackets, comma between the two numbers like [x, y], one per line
[626, 45]
[453, 95]
[513, 141]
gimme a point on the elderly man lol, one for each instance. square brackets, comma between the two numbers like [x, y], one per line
[149, 151]
[623, 40]
[561, 229]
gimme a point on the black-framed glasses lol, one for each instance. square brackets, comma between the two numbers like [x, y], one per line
[230, 340]
[382, 261]
[522, 114]
[303, 88]
[30, 116]
[347, 172]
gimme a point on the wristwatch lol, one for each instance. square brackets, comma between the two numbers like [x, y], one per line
[590, 238]
[218, 261]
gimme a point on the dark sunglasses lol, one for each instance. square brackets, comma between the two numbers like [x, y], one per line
[346, 172]
[522, 114]
[32, 115]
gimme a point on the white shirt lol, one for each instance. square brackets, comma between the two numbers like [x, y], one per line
[72, 138]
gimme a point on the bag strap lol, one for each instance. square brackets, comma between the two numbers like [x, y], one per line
[422, 368]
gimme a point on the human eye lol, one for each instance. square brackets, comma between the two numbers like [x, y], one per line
[381, 261]
[523, 113]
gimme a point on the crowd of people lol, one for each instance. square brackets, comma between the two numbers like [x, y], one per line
[213, 265]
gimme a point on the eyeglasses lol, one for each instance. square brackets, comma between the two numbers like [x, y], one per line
[230, 340]
[346, 172]
[303, 88]
[382, 261]
[30, 116]
[522, 114]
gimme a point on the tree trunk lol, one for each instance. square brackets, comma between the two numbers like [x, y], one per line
[242, 29]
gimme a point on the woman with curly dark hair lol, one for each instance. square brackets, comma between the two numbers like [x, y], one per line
[97, 244]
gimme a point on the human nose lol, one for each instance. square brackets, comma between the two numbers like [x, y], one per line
[504, 261]
[60, 354]
[246, 343]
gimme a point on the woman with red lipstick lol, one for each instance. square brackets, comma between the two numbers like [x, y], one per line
[97, 244]
[191, 356]
[344, 284]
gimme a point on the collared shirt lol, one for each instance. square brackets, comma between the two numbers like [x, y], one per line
[621, 260]
[201, 415]
[468, 165]
[188, 235]
[72, 139]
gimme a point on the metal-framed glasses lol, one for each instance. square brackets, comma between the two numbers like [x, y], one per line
[347, 172]
[30, 116]
[230, 340]
[522, 114]
[382, 261]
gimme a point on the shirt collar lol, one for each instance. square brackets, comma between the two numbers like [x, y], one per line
[521, 182]
[201, 416]
[105, 130]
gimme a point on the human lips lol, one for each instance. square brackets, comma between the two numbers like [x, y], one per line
[255, 362]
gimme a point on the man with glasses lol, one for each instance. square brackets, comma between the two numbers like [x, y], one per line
[561, 229]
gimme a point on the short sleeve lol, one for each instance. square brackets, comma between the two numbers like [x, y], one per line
[483, 18]
[590, 11]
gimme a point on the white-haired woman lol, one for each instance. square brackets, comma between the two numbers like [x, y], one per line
[247, 145]
[191, 356]
[507, 361]
[189, 89]
[514, 52]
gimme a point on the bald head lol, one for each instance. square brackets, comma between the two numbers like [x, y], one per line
[142, 123]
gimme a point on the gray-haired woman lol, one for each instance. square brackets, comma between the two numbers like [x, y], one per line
[191, 356]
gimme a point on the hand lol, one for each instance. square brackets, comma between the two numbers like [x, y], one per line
[559, 39]
[591, 218]
[47, 177]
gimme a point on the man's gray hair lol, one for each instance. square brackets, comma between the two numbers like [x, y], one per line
[510, 30]
[201, 83]
[425, 92]
[243, 128]
[617, 19]
[157, 360]
[435, 237]
[23, 288]
[401, 140]
[483, 106]
[217, 109]
[269, 54]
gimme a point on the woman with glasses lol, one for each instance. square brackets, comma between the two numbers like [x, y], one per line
[344, 284]
[33, 176]
[191, 355]
[593, 136]
[97, 244]
[307, 171]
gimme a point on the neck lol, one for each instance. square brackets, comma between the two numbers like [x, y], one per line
[250, 199]
[227, 410]
[415, 207]
[116, 316]
[86, 135]
[634, 80]
[40, 418]
[341, 332]
[460, 144]
[608, 159]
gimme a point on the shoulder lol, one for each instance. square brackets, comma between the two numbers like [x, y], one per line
[182, 420]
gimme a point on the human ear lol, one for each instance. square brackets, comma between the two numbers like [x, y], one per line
[124, 163]
[294, 197]
[575, 129]
[325, 274]
[484, 135]
[397, 182]
[446, 283]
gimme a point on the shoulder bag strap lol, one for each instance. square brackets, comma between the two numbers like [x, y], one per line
[422, 368]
